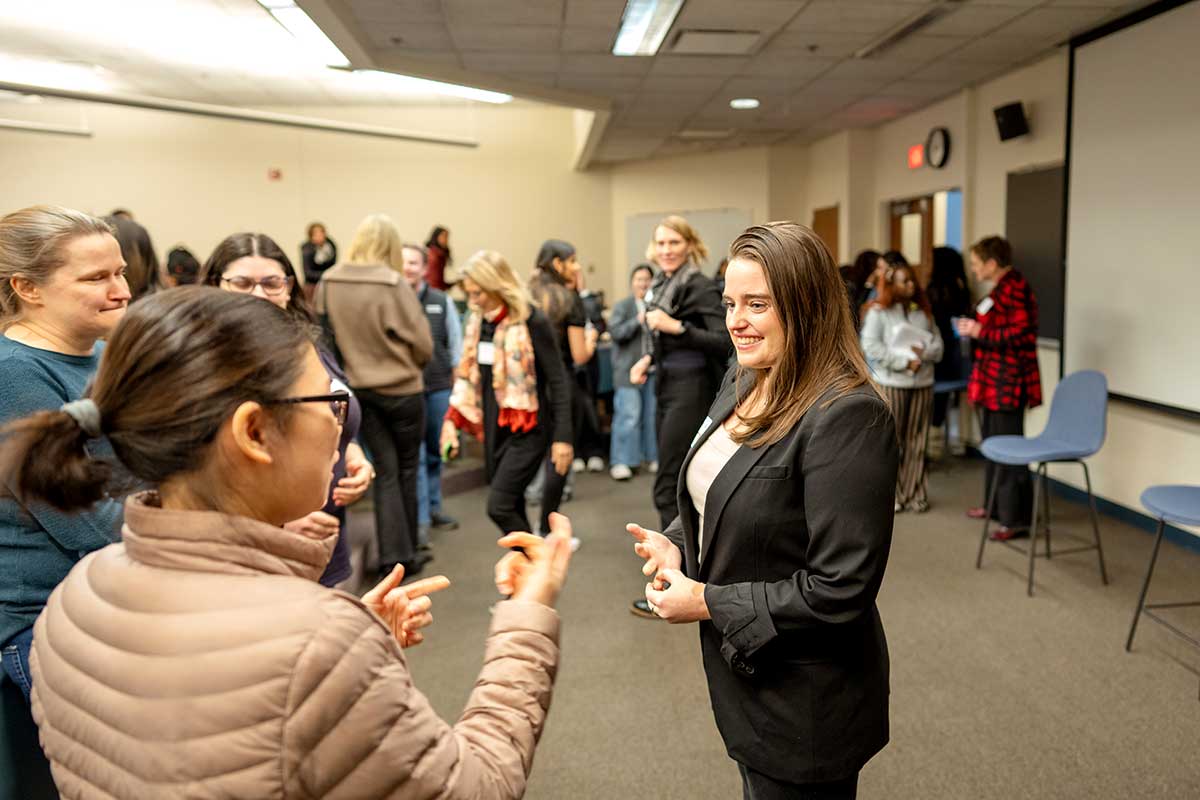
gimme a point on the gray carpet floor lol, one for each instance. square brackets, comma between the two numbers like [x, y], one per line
[994, 695]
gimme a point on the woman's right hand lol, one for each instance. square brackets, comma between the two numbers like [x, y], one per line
[659, 551]
[449, 439]
[538, 571]
[639, 371]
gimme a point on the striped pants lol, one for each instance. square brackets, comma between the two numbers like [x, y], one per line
[912, 409]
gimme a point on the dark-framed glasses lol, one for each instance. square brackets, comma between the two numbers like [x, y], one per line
[273, 285]
[339, 403]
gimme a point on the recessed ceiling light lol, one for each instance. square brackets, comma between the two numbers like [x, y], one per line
[744, 103]
[644, 25]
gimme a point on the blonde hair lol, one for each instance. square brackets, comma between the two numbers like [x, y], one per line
[492, 272]
[377, 241]
[697, 249]
[33, 244]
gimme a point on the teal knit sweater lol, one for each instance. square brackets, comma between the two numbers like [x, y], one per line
[39, 544]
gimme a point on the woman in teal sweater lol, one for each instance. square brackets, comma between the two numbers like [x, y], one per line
[62, 289]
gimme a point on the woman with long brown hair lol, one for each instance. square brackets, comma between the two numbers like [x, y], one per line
[902, 342]
[784, 526]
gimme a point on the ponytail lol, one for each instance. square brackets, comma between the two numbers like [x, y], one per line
[45, 457]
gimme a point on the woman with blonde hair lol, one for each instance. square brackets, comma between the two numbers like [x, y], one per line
[690, 350]
[62, 290]
[380, 333]
[510, 388]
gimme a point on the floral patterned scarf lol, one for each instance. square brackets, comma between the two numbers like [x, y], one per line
[514, 378]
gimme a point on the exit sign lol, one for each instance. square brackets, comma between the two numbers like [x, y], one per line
[916, 156]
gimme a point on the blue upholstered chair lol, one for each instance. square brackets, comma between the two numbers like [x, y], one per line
[1179, 505]
[1075, 431]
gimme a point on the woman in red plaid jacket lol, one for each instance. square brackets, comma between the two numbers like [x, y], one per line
[1004, 379]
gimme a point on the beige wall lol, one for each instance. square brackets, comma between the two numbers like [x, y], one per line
[195, 180]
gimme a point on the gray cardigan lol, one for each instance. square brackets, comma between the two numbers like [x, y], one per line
[630, 340]
[890, 368]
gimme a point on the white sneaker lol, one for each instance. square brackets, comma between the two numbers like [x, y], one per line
[652, 467]
[575, 542]
[578, 465]
[620, 472]
[595, 464]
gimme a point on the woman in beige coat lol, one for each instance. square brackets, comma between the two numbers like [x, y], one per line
[199, 657]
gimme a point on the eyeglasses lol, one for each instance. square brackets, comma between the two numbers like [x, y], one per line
[339, 403]
[272, 285]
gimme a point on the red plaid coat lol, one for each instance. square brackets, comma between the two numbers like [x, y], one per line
[1005, 374]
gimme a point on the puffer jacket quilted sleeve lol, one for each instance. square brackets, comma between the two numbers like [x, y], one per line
[356, 727]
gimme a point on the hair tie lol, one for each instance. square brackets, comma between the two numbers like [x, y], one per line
[86, 414]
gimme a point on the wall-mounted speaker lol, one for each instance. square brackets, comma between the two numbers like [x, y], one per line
[1011, 121]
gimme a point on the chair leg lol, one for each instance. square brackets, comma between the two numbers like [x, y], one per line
[987, 521]
[1087, 476]
[1158, 537]
[1038, 488]
[1045, 468]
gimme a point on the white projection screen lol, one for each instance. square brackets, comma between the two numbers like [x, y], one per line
[1133, 228]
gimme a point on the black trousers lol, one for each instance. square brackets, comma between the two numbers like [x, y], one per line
[510, 468]
[683, 399]
[582, 407]
[756, 786]
[1014, 487]
[392, 427]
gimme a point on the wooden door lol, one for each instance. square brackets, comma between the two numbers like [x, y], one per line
[825, 225]
[912, 233]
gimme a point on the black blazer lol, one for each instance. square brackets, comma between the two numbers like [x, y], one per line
[796, 539]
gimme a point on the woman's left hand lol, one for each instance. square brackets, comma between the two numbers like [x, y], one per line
[682, 601]
[359, 474]
[404, 609]
[659, 320]
[561, 456]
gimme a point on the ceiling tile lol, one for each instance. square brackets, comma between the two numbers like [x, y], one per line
[588, 40]
[973, 20]
[600, 83]
[872, 70]
[921, 49]
[604, 64]
[697, 65]
[406, 36]
[787, 64]
[962, 72]
[758, 85]
[997, 49]
[509, 38]
[416, 11]
[838, 16]
[483, 12]
[603, 13]
[743, 15]
[693, 84]
[921, 90]
[538, 61]
[1060, 23]
[816, 43]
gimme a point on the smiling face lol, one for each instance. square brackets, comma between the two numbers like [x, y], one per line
[640, 283]
[413, 264]
[670, 249]
[751, 316]
[86, 297]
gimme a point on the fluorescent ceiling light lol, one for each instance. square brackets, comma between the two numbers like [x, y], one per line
[56, 74]
[744, 103]
[310, 36]
[385, 81]
[644, 25]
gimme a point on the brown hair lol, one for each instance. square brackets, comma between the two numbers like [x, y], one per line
[241, 245]
[697, 249]
[994, 247]
[142, 270]
[33, 244]
[177, 366]
[821, 350]
[885, 291]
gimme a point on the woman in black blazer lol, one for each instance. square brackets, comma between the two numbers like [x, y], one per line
[785, 522]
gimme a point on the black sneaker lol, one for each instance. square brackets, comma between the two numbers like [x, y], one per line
[442, 522]
[641, 608]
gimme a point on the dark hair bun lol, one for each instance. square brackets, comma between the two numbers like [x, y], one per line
[46, 458]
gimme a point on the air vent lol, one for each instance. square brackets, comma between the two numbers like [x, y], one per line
[907, 28]
[715, 43]
[700, 134]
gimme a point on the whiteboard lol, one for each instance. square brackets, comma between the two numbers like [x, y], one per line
[718, 227]
[1134, 202]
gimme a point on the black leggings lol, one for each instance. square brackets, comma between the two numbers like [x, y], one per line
[683, 401]
[392, 427]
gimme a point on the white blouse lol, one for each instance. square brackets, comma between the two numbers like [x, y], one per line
[708, 462]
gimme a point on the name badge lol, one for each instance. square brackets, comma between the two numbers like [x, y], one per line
[985, 305]
[437, 309]
[486, 355]
[336, 386]
[703, 427]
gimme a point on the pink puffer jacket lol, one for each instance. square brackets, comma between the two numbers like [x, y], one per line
[199, 658]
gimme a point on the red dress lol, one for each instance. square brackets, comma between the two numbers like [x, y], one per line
[435, 267]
